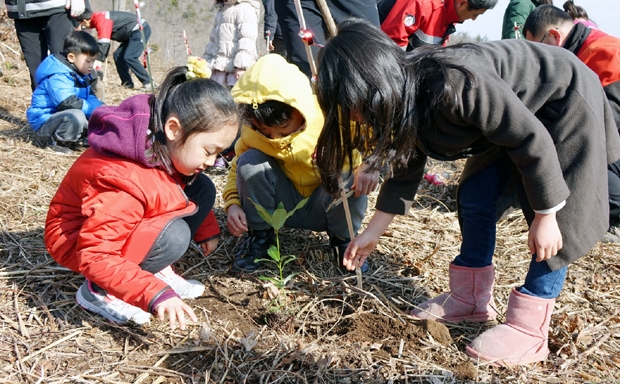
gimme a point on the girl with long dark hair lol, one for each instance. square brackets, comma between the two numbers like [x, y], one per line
[526, 116]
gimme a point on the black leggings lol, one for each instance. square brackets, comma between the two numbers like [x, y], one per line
[173, 241]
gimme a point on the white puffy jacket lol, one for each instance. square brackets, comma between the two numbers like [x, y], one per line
[233, 36]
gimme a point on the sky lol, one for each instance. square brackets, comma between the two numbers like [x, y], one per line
[605, 13]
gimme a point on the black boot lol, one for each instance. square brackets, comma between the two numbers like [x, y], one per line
[339, 246]
[254, 248]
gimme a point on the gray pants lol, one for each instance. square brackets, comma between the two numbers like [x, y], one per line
[260, 178]
[66, 126]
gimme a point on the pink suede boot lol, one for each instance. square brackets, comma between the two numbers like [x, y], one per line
[470, 297]
[522, 339]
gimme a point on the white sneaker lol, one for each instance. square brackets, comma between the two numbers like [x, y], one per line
[187, 289]
[109, 306]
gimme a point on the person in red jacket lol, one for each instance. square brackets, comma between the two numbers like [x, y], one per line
[122, 27]
[601, 53]
[130, 205]
[413, 23]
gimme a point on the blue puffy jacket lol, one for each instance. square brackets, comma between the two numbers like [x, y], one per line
[60, 87]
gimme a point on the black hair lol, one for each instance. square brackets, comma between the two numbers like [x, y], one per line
[481, 4]
[271, 113]
[544, 17]
[362, 72]
[80, 42]
[545, 2]
[575, 11]
[86, 15]
[201, 105]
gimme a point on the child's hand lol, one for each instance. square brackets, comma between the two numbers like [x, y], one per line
[209, 246]
[176, 310]
[364, 183]
[363, 245]
[237, 223]
[359, 249]
[544, 238]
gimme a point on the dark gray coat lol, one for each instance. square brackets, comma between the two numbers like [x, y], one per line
[546, 110]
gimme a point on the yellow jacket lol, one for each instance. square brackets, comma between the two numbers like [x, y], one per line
[272, 78]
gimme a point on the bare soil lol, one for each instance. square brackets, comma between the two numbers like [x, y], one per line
[324, 330]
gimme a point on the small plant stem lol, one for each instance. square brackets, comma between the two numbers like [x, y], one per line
[347, 213]
[279, 264]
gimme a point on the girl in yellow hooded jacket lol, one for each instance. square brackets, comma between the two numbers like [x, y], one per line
[274, 163]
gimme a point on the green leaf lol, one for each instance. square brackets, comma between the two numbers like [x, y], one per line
[288, 278]
[279, 218]
[288, 259]
[262, 212]
[299, 205]
[270, 279]
[266, 261]
[274, 253]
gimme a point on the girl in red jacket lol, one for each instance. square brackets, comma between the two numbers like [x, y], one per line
[130, 205]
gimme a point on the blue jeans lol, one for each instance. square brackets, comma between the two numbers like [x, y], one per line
[478, 203]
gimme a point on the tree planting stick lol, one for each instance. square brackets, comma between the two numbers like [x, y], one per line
[347, 213]
[327, 16]
[302, 32]
[143, 37]
[189, 51]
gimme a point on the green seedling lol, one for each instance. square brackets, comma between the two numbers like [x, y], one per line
[277, 219]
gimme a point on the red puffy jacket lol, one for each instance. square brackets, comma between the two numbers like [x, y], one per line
[428, 21]
[109, 210]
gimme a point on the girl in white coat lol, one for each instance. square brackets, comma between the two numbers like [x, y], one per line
[232, 46]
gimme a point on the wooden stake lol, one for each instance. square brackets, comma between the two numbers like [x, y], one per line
[327, 16]
[347, 213]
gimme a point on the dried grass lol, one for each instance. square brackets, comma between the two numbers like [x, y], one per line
[330, 331]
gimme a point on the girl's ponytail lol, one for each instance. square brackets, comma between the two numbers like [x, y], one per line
[201, 105]
[575, 11]
[158, 152]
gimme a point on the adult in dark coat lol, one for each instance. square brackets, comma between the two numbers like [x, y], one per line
[42, 26]
[340, 10]
[550, 135]
[272, 29]
[601, 53]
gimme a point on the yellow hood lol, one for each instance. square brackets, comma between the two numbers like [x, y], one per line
[273, 78]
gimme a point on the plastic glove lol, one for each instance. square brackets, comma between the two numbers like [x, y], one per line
[77, 7]
[97, 65]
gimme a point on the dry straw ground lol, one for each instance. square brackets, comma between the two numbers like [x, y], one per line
[329, 331]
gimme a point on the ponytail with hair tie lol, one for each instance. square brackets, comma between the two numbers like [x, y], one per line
[197, 68]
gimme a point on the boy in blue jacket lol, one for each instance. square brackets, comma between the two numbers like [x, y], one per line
[63, 100]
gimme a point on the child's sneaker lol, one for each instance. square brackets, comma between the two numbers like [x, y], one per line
[149, 87]
[58, 147]
[254, 248]
[109, 306]
[187, 289]
[613, 234]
